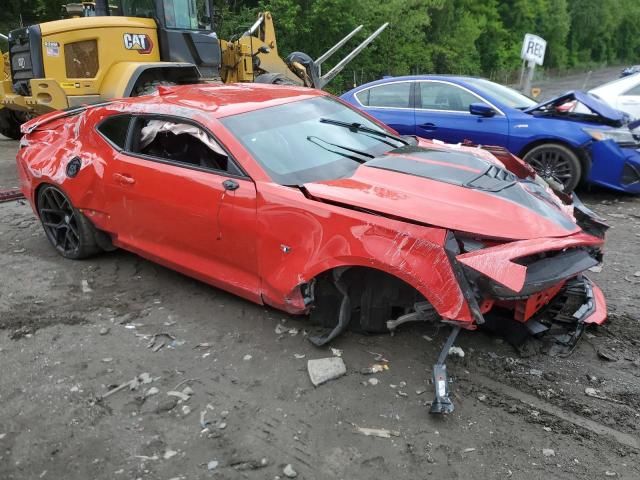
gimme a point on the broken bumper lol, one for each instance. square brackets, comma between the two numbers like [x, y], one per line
[615, 167]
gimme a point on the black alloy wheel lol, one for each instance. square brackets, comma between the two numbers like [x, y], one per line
[70, 232]
[556, 162]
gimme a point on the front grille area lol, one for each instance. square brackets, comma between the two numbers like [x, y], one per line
[25, 57]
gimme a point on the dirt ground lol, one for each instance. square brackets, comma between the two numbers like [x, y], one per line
[72, 330]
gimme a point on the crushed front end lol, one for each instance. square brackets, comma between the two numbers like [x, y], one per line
[529, 289]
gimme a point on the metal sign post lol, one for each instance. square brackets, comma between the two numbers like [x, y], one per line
[532, 53]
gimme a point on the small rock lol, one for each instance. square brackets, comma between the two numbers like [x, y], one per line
[610, 474]
[85, 287]
[456, 351]
[75, 388]
[548, 452]
[222, 426]
[104, 330]
[299, 355]
[186, 409]
[169, 453]
[324, 369]
[2, 435]
[280, 329]
[373, 381]
[224, 413]
[427, 338]
[247, 357]
[482, 397]
[336, 352]
[535, 372]
[468, 450]
[637, 274]
[182, 396]
[289, 472]
[546, 429]
[212, 465]
[107, 359]
[596, 268]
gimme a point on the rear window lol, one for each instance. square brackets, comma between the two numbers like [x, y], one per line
[390, 95]
[115, 129]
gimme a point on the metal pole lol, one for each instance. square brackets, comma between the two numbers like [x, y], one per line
[526, 88]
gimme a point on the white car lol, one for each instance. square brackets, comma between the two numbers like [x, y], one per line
[623, 94]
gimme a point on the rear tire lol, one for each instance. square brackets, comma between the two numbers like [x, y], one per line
[552, 160]
[147, 88]
[67, 229]
[10, 124]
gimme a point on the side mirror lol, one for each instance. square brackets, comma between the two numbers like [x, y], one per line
[481, 109]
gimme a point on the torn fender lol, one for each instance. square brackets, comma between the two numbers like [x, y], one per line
[328, 236]
[498, 263]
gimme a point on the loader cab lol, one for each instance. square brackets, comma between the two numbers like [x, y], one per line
[185, 29]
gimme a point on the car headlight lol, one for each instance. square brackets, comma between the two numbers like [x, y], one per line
[622, 136]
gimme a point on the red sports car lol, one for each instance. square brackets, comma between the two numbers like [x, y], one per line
[288, 197]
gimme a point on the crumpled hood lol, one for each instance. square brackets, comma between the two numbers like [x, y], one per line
[611, 115]
[450, 189]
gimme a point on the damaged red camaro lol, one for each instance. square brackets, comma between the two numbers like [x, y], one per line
[288, 197]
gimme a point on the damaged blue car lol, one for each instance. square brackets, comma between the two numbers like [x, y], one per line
[570, 139]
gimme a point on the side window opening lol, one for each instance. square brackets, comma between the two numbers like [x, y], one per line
[115, 129]
[182, 143]
[390, 95]
[442, 96]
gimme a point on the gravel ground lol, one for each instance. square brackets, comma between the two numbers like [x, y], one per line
[71, 331]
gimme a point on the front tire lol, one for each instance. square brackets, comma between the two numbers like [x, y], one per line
[66, 228]
[10, 124]
[557, 162]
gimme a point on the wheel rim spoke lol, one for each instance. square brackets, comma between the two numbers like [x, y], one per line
[59, 221]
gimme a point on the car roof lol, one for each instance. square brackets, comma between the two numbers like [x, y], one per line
[460, 79]
[220, 100]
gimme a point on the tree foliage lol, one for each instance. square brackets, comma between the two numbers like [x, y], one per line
[476, 37]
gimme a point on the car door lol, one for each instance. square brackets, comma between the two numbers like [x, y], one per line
[391, 104]
[178, 197]
[629, 101]
[442, 112]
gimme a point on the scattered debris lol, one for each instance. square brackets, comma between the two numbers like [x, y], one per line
[2, 435]
[222, 426]
[299, 355]
[159, 340]
[456, 351]
[376, 432]
[373, 381]
[420, 392]
[607, 354]
[469, 450]
[324, 369]
[104, 330]
[133, 384]
[280, 329]
[535, 372]
[107, 359]
[609, 473]
[19, 250]
[168, 454]
[247, 357]
[202, 345]
[212, 465]
[596, 268]
[151, 391]
[336, 352]
[181, 396]
[289, 472]
[250, 464]
[592, 392]
[186, 410]
[548, 452]
[378, 357]
[85, 287]
[427, 338]
[482, 397]
[375, 368]
[188, 390]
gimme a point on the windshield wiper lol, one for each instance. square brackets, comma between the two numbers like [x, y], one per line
[319, 142]
[359, 128]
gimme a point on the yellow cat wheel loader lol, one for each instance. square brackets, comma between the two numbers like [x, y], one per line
[109, 51]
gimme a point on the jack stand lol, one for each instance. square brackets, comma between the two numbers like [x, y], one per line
[442, 403]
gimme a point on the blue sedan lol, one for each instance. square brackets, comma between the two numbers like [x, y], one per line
[569, 139]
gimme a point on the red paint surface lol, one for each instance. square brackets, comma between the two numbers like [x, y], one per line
[263, 240]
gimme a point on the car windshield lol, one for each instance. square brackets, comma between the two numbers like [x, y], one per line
[309, 140]
[505, 95]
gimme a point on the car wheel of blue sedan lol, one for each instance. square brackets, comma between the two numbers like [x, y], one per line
[556, 162]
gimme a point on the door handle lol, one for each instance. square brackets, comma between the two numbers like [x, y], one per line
[230, 185]
[124, 179]
[429, 127]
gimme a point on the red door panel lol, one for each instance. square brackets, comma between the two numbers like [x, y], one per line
[187, 220]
